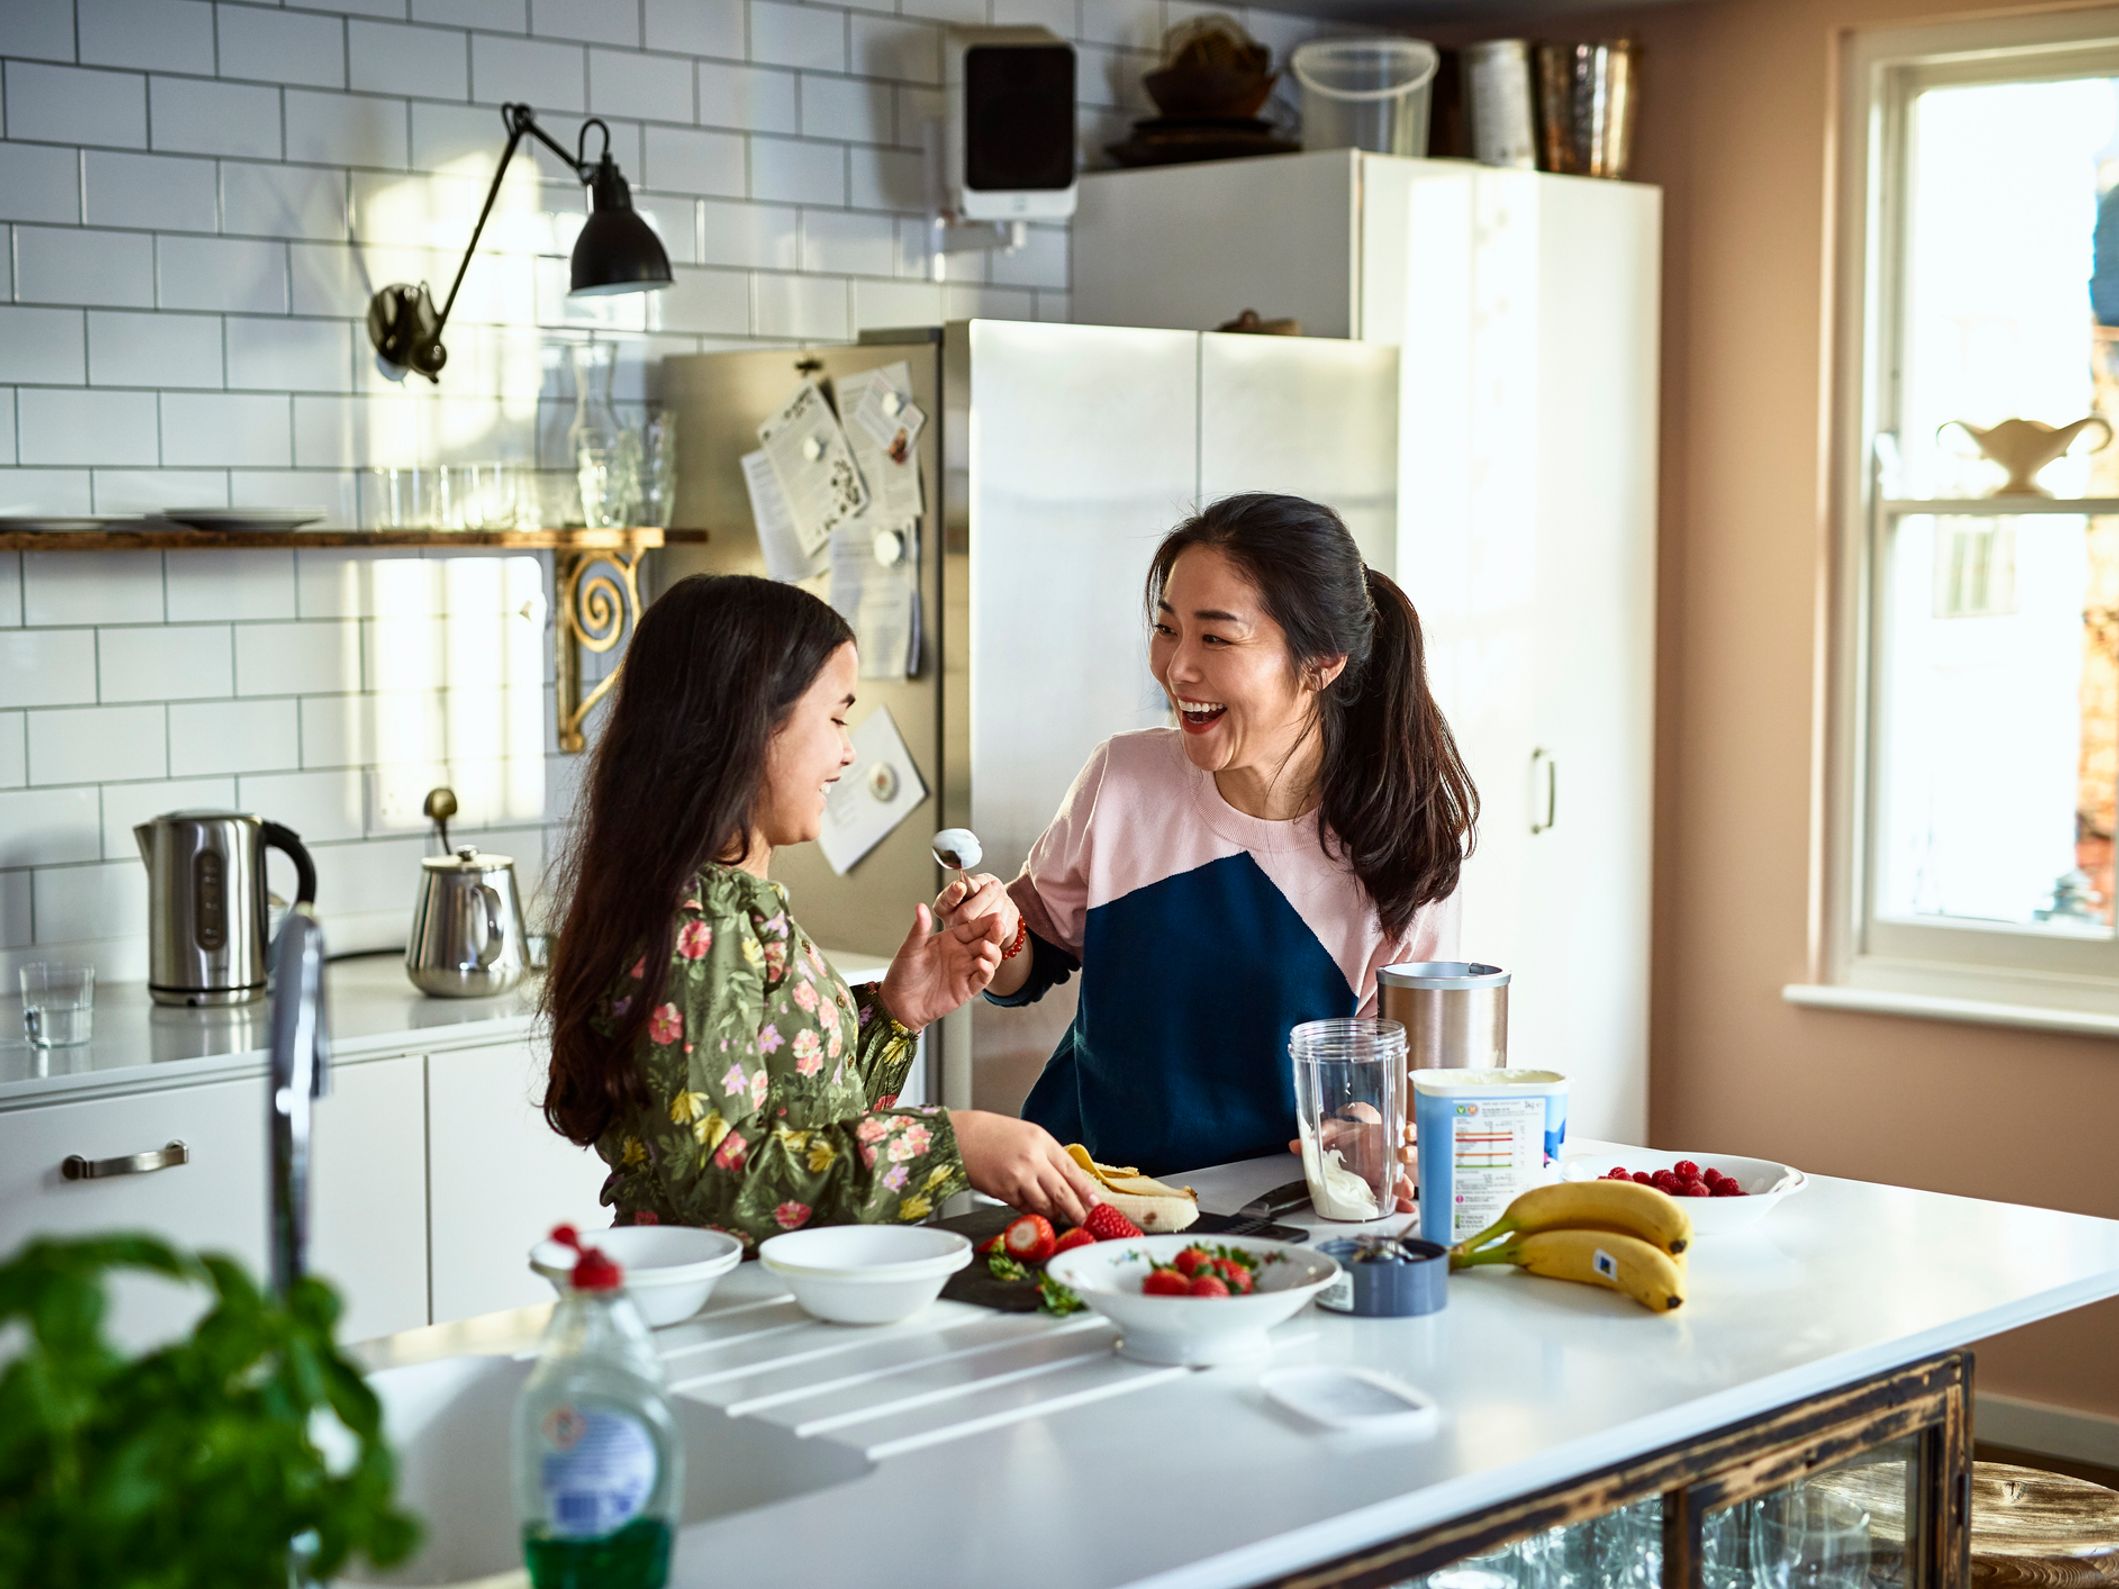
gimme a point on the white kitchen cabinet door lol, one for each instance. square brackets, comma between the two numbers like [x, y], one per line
[498, 1178]
[368, 1174]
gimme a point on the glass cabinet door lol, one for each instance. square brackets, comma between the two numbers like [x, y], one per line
[1619, 1550]
[1843, 1527]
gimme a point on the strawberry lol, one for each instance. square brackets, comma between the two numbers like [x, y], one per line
[1072, 1237]
[1029, 1239]
[1192, 1260]
[993, 1244]
[1233, 1275]
[1165, 1283]
[1204, 1285]
[1106, 1223]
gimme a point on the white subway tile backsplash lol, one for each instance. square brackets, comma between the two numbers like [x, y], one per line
[1058, 15]
[283, 201]
[320, 806]
[596, 21]
[1040, 262]
[549, 76]
[391, 58]
[154, 35]
[7, 438]
[500, 16]
[290, 355]
[44, 491]
[137, 348]
[125, 805]
[15, 917]
[970, 301]
[297, 658]
[83, 266]
[655, 87]
[93, 744]
[359, 584]
[811, 308]
[760, 236]
[39, 183]
[1130, 24]
[91, 587]
[43, 827]
[887, 179]
[709, 301]
[221, 273]
[797, 173]
[282, 46]
[696, 27]
[47, 667]
[42, 345]
[14, 751]
[850, 109]
[849, 243]
[60, 426]
[242, 430]
[753, 98]
[7, 256]
[349, 432]
[167, 193]
[76, 904]
[347, 129]
[683, 161]
[40, 29]
[67, 104]
[797, 35]
[906, 52]
[207, 587]
[329, 492]
[960, 13]
[460, 138]
[177, 662]
[194, 117]
[153, 490]
[880, 305]
[233, 736]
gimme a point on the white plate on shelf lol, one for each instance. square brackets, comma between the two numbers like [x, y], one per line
[243, 518]
[67, 523]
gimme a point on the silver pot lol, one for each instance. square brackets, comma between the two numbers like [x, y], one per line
[1455, 1013]
[467, 931]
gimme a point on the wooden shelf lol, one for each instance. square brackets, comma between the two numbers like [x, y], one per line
[157, 537]
[1999, 507]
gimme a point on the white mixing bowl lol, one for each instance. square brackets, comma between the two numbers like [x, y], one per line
[865, 1274]
[1158, 1329]
[670, 1270]
[1766, 1184]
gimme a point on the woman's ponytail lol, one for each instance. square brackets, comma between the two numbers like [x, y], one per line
[1394, 796]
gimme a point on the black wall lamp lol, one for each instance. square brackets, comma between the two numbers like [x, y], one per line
[616, 252]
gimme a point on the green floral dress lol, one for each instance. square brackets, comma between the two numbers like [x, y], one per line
[774, 1089]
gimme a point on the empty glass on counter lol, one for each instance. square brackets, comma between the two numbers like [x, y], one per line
[1350, 1114]
[58, 1003]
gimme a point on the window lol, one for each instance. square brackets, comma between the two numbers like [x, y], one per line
[1974, 768]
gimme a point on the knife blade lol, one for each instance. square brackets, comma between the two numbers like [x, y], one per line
[1268, 1206]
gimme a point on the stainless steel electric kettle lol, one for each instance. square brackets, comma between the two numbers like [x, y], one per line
[467, 930]
[206, 916]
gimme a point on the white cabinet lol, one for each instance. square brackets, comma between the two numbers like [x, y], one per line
[1525, 307]
[368, 1233]
[498, 1178]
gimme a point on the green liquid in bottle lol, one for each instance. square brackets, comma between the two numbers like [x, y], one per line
[636, 1557]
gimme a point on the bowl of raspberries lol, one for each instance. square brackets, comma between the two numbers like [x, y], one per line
[1721, 1191]
[1185, 1299]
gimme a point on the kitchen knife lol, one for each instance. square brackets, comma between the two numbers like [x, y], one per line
[1264, 1209]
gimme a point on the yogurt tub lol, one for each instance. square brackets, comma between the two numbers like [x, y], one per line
[1485, 1136]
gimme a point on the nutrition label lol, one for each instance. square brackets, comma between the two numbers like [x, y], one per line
[1497, 1148]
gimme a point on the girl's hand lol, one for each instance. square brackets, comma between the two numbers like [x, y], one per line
[1023, 1166]
[935, 972]
[975, 895]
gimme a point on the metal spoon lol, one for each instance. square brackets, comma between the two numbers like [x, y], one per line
[440, 806]
[959, 849]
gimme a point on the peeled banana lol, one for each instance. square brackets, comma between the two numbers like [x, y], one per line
[1623, 1207]
[1621, 1263]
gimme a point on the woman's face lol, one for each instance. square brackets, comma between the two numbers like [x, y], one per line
[1225, 666]
[807, 754]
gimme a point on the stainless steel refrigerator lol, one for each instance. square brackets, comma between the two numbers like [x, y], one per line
[1053, 460]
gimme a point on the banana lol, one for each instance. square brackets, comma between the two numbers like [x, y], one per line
[1624, 1206]
[1600, 1258]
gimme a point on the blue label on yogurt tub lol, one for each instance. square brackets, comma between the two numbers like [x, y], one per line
[1483, 1136]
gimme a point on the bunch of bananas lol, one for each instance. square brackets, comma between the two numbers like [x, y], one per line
[1616, 1234]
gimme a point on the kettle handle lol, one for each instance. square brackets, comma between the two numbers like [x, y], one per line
[289, 843]
[496, 935]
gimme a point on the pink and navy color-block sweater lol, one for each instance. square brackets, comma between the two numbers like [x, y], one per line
[1202, 936]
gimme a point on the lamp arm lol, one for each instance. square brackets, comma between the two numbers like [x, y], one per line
[520, 119]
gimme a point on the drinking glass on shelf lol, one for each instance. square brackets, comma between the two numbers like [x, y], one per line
[480, 496]
[1807, 1539]
[657, 444]
[608, 486]
[403, 499]
[58, 1003]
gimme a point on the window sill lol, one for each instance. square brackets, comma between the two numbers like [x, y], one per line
[1975, 1012]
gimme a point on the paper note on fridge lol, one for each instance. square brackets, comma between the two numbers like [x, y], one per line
[814, 463]
[881, 789]
[778, 538]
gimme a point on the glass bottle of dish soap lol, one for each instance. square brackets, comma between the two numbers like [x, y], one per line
[599, 1469]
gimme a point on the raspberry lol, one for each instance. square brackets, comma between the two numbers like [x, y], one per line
[1165, 1283]
[1725, 1189]
[1209, 1286]
[1665, 1180]
[1643, 1178]
[1695, 1188]
[1686, 1170]
[1619, 1172]
[1735, 1190]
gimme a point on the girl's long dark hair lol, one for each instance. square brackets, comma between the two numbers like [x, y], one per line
[1395, 796]
[714, 668]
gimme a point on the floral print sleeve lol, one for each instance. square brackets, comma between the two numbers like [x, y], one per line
[774, 1090]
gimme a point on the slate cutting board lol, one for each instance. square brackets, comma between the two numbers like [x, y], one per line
[976, 1284]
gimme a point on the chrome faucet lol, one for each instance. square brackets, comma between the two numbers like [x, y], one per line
[300, 1064]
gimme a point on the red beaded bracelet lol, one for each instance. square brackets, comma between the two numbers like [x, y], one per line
[1022, 936]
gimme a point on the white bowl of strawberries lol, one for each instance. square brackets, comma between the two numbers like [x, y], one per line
[1721, 1191]
[1177, 1299]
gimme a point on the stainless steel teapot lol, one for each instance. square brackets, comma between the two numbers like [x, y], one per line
[467, 927]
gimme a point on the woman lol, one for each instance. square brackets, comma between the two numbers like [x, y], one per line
[700, 1042]
[1217, 882]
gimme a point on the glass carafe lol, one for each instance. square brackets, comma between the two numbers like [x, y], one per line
[604, 452]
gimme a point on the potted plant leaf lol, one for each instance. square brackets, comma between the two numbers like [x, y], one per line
[200, 1464]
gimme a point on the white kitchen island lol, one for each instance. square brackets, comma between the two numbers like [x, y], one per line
[976, 1448]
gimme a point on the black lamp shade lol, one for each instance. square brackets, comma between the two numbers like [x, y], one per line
[617, 251]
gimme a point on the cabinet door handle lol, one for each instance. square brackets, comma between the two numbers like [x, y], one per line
[76, 1168]
[1552, 789]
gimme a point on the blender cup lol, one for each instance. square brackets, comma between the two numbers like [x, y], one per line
[1350, 1114]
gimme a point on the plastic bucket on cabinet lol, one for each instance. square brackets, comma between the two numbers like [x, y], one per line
[1368, 94]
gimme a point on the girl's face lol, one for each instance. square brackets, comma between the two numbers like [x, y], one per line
[1225, 666]
[807, 754]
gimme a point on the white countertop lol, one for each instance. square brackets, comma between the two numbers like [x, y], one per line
[1020, 1450]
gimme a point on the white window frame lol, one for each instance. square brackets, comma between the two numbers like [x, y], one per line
[1952, 971]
